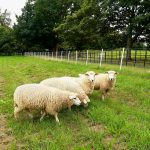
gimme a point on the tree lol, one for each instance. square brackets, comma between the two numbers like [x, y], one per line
[101, 22]
[8, 43]
[25, 29]
[87, 28]
[35, 25]
[131, 18]
[75, 31]
[5, 18]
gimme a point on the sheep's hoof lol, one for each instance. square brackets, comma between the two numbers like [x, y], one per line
[85, 105]
[58, 123]
[41, 119]
[103, 98]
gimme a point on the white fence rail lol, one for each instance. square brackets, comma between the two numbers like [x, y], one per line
[101, 57]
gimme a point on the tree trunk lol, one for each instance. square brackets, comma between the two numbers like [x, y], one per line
[129, 46]
[129, 42]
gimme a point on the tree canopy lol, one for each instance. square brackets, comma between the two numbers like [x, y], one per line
[78, 24]
[35, 25]
[8, 43]
[106, 22]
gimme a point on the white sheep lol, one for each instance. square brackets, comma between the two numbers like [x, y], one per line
[49, 100]
[66, 83]
[86, 81]
[105, 82]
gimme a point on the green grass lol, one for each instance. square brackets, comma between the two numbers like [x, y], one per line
[122, 121]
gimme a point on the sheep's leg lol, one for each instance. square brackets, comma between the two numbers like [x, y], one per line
[43, 115]
[29, 114]
[69, 107]
[16, 112]
[103, 95]
[56, 117]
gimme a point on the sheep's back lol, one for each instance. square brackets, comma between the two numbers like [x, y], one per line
[31, 96]
[63, 83]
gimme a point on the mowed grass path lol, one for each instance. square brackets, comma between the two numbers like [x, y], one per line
[120, 122]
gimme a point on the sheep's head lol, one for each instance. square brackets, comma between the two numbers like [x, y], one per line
[111, 75]
[90, 75]
[75, 99]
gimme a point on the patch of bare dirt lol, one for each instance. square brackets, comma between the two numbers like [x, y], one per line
[115, 144]
[132, 103]
[6, 137]
[98, 128]
[107, 140]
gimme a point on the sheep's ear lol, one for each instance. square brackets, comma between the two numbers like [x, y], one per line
[116, 73]
[86, 74]
[96, 73]
[106, 71]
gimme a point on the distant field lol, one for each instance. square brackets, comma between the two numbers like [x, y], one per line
[120, 122]
[139, 58]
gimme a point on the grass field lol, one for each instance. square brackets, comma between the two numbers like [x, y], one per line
[120, 122]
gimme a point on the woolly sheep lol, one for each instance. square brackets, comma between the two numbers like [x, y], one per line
[65, 83]
[105, 82]
[49, 100]
[86, 81]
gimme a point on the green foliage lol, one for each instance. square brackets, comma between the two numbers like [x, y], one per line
[108, 23]
[5, 18]
[8, 43]
[35, 25]
[80, 24]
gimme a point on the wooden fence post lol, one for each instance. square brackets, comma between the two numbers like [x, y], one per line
[111, 56]
[52, 55]
[122, 58]
[68, 55]
[76, 56]
[127, 51]
[56, 54]
[61, 54]
[135, 57]
[145, 57]
[87, 55]
[101, 57]
[105, 56]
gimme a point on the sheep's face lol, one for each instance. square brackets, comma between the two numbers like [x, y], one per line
[111, 75]
[75, 100]
[90, 75]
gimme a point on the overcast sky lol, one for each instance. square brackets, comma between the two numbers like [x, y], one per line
[13, 6]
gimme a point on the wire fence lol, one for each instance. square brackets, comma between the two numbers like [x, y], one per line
[139, 58]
